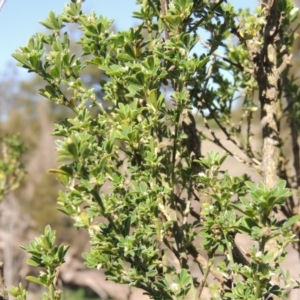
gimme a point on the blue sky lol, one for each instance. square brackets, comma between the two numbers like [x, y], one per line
[19, 19]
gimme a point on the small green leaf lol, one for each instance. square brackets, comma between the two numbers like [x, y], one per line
[34, 279]
[21, 58]
[184, 277]
[125, 57]
[291, 221]
[33, 262]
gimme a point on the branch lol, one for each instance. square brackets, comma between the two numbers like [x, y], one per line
[164, 9]
[204, 279]
[267, 76]
[184, 207]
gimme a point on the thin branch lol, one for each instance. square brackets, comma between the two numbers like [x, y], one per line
[204, 279]
[2, 3]
[249, 119]
[229, 136]
[204, 264]
[216, 54]
[184, 207]
[238, 256]
[204, 89]
[254, 164]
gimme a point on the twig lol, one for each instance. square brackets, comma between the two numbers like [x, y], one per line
[228, 136]
[2, 3]
[203, 281]
[238, 256]
[249, 118]
[215, 140]
[204, 89]
[184, 207]
[204, 264]
[216, 54]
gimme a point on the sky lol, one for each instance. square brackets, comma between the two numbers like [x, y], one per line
[19, 19]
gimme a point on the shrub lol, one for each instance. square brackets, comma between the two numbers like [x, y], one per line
[134, 172]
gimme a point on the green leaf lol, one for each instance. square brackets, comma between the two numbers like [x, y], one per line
[291, 221]
[246, 224]
[184, 277]
[33, 262]
[134, 90]
[47, 24]
[251, 186]
[35, 280]
[125, 57]
[22, 59]
[202, 63]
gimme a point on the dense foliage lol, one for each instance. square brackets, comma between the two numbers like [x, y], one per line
[136, 175]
